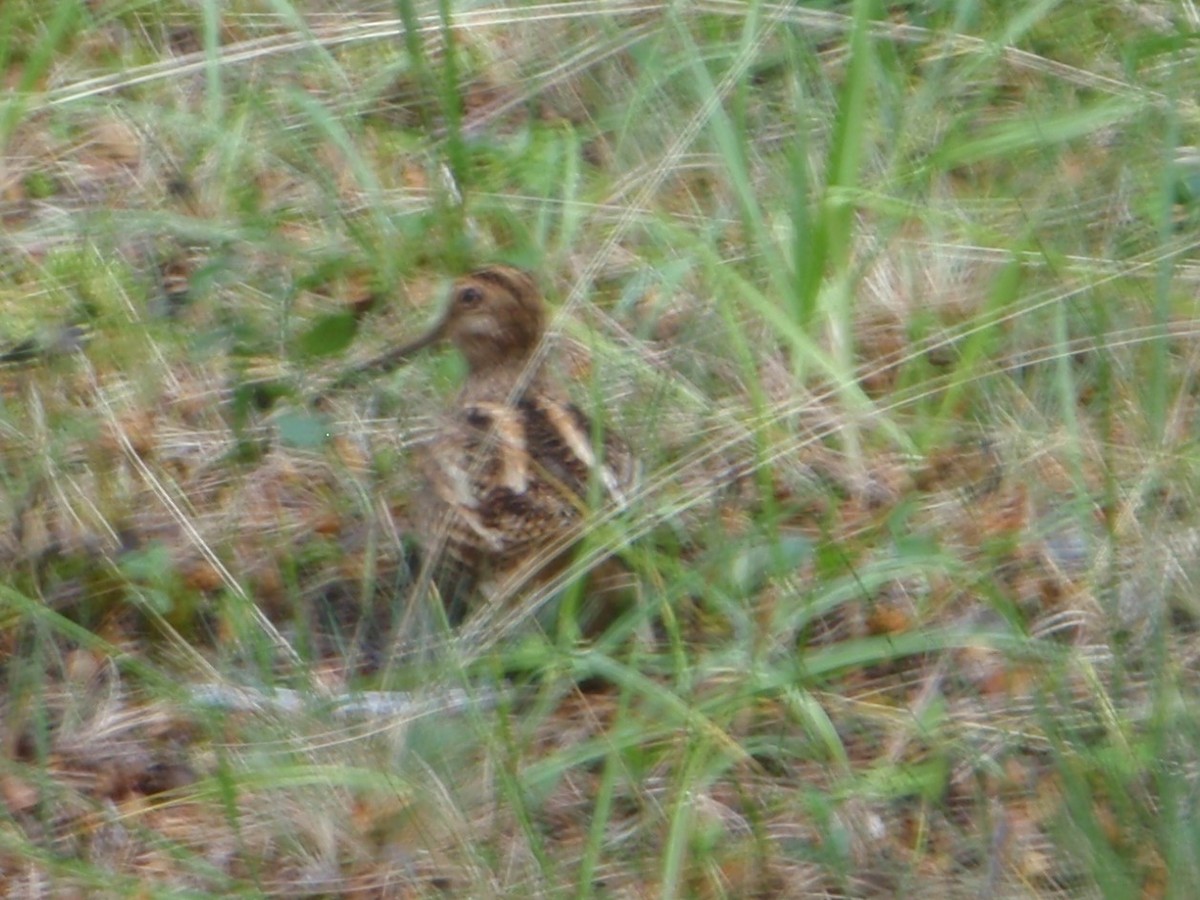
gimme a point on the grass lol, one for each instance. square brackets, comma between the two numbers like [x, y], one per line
[895, 304]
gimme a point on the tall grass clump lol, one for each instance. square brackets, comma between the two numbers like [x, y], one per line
[895, 303]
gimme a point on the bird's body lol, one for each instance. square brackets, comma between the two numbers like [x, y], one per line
[510, 473]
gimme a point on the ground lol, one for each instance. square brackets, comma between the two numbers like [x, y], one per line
[895, 303]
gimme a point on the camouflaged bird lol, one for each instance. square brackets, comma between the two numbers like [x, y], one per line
[508, 474]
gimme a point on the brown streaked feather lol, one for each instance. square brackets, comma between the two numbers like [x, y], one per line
[508, 474]
[504, 498]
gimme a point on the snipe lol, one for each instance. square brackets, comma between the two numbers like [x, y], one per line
[508, 473]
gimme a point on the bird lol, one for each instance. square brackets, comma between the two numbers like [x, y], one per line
[509, 473]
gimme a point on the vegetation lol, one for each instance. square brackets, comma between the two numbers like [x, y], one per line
[896, 303]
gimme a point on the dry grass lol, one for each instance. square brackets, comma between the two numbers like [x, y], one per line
[898, 312]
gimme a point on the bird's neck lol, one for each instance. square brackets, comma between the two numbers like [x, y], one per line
[504, 380]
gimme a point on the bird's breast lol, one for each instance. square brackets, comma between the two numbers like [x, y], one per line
[510, 477]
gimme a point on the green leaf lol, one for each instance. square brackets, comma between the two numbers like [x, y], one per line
[757, 564]
[1034, 132]
[147, 565]
[304, 431]
[328, 335]
[156, 600]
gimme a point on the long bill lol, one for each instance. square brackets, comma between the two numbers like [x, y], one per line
[393, 359]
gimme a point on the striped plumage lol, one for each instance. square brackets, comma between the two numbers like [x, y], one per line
[509, 471]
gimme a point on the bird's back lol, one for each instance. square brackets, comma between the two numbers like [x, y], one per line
[507, 482]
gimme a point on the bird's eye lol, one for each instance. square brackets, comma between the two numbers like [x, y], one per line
[469, 296]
